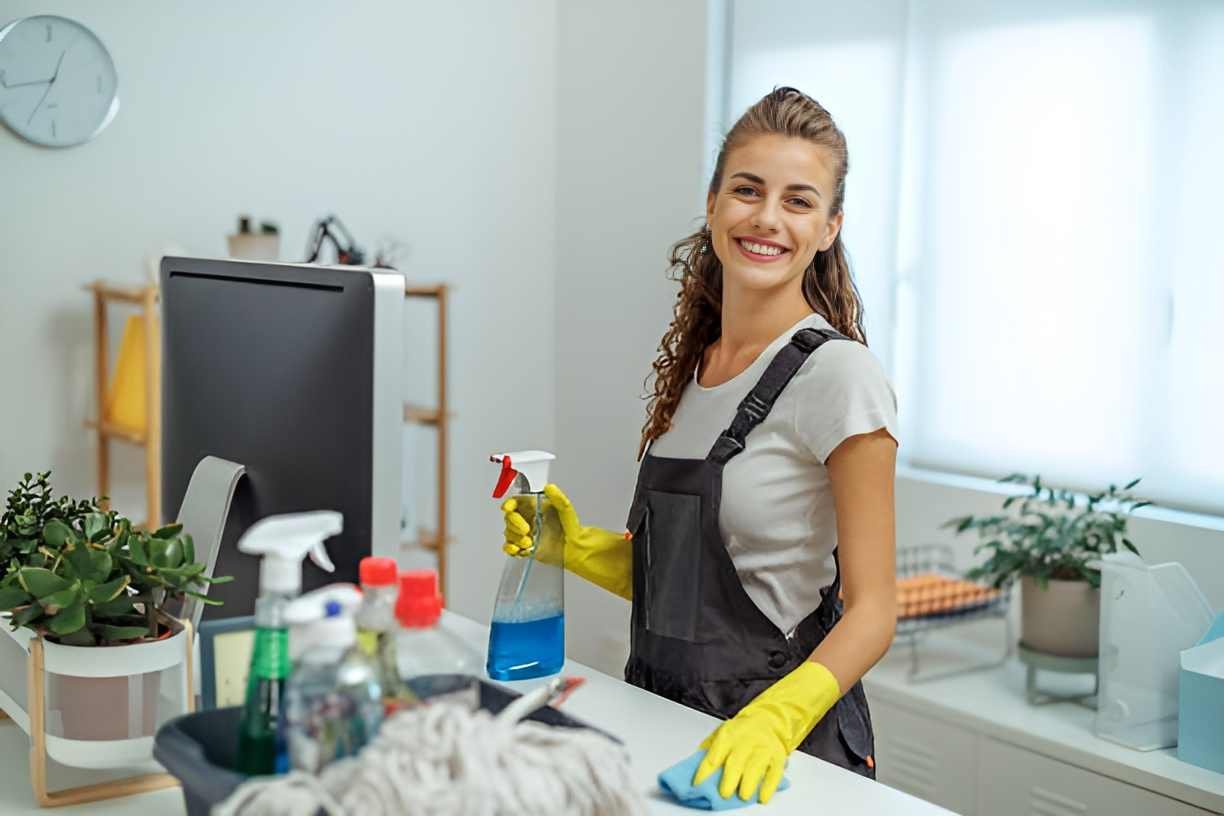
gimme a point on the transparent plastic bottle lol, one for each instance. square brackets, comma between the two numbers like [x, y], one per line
[334, 700]
[435, 663]
[377, 625]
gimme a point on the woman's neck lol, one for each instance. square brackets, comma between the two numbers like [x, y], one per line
[751, 321]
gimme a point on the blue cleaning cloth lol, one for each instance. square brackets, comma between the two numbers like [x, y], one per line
[678, 782]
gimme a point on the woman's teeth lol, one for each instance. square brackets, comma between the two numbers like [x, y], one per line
[761, 249]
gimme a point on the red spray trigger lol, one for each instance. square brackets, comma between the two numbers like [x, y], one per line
[507, 477]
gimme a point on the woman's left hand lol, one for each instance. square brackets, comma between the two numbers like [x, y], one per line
[752, 747]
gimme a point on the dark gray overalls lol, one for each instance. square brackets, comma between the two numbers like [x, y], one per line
[696, 636]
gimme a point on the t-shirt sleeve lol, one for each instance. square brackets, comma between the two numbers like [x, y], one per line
[843, 391]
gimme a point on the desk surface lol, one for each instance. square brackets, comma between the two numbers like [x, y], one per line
[657, 733]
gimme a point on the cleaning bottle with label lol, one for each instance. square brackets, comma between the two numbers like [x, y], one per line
[527, 636]
[334, 699]
[377, 626]
[283, 541]
[436, 664]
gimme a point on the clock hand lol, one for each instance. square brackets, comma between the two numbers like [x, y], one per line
[23, 84]
[50, 85]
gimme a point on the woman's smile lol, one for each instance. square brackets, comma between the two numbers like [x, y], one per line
[759, 250]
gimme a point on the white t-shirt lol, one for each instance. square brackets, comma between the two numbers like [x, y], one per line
[777, 515]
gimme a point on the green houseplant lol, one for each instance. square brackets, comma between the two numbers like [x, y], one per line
[1047, 538]
[83, 576]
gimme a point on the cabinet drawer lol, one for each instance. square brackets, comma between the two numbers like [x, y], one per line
[1016, 782]
[925, 758]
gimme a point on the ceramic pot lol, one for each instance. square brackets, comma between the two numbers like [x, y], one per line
[1061, 620]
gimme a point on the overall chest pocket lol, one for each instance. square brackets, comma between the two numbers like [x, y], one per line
[669, 543]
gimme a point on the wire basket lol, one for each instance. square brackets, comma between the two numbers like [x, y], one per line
[932, 594]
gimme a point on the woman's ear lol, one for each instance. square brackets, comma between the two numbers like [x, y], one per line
[710, 206]
[832, 231]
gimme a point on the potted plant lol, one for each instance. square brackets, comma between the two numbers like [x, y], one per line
[86, 593]
[1047, 540]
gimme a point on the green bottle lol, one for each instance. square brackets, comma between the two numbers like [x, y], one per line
[283, 541]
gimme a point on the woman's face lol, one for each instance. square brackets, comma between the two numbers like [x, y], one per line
[770, 215]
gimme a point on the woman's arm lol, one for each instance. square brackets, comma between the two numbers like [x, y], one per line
[862, 474]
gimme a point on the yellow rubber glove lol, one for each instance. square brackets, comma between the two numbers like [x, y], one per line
[600, 556]
[752, 746]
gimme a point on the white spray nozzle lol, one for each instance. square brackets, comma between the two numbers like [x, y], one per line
[284, 541]
[528, 469]
[324, 616]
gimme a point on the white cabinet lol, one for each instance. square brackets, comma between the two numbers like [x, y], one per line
[976, 775]
[925, 758]
[1016, 782]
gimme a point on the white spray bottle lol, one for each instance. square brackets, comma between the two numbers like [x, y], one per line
[527, 637]
[283, 541]
[334, 702]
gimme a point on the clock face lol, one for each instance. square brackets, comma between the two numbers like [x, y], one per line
[57, 82]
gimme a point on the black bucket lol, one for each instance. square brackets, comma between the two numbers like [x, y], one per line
[200, 749]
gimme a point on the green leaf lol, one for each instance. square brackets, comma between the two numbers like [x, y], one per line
[39, 582]
[81, 637]
[188, 549]
[120, 633]
[121, 605]
[169, 531]
[13, 596]
[173, 557]
[207, 601]
[137, 549]
[1140, 504]
[103, 564]
[1128, 544]
[1132, 483]
[58, 601]
[95, 525]
[82, 565]
[157, 552]
[56, 533]
[69, 620]
[109, 591]
[26, 616]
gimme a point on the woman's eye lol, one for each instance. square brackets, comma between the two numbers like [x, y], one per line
[800, 202]
[745, 190]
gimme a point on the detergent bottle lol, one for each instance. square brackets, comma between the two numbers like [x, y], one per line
[283, 541]
[435, 663]
[334, 698]
[527, 636]
[377, 624]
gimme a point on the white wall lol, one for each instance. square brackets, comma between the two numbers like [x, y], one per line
[434, 123]
[631, 88]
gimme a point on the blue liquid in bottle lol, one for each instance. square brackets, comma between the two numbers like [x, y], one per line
[526, 649]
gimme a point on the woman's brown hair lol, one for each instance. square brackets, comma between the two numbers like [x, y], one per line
[827, 284]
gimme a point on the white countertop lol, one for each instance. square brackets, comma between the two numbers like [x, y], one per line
[657, 733]
[992, 702]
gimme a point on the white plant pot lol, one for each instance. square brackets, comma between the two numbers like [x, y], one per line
[101, 705]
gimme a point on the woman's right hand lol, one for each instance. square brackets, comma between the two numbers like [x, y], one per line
[603, 557]
[558, 517]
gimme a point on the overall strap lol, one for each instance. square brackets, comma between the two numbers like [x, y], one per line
[760, 400]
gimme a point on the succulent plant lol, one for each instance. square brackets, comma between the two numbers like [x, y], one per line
[83, 575]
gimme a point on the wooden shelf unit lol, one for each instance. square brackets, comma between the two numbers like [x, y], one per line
[437, 417]
[145, 297]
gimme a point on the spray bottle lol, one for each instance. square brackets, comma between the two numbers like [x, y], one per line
[334, 699]
[527, 637]
[283, 541]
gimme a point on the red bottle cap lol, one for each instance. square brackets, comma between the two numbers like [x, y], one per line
[377, 571]
[419, 603]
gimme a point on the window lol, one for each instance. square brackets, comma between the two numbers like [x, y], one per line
[1031, 216]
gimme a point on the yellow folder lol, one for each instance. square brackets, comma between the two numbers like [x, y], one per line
[125, 399]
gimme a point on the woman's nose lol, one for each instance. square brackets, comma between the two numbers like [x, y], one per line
[766, 216]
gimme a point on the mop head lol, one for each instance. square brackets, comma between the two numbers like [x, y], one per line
[443, 759]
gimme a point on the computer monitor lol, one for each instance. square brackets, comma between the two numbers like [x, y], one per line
[293, 371]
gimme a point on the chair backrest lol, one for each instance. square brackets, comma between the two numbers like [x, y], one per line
[206, 505]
